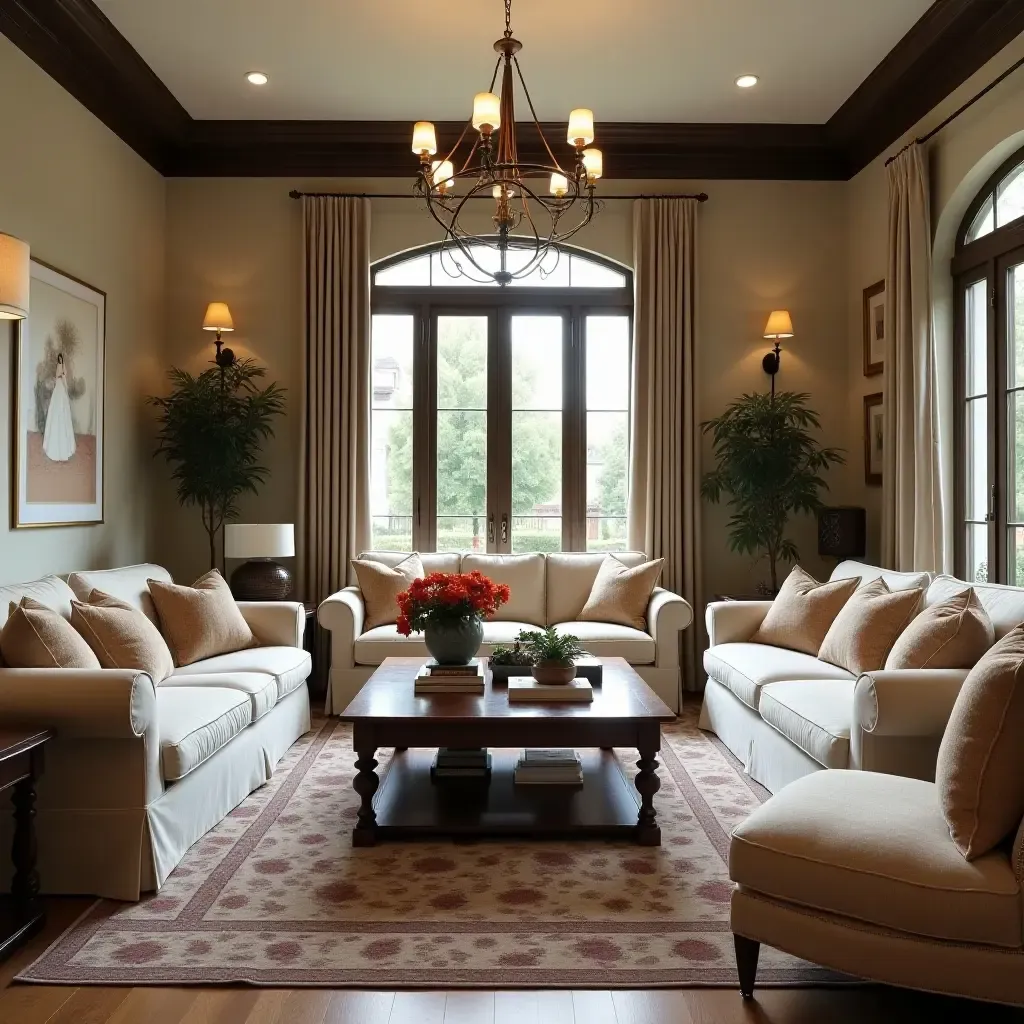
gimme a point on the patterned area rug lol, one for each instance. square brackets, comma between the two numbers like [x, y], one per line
[276, 895]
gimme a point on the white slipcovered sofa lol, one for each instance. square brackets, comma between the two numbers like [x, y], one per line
[785, 714]
[136, 772]
[547, 590]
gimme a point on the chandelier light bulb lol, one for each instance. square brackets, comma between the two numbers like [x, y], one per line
[747, 81]
[442, 175]
[486, 112]
[257, 78]
[581, 127]
[559, 185]
[593, 164]
[424, 139]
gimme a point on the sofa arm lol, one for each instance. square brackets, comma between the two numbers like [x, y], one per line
[343, 613]
[907, 702]
[667, 615]
[107, 704]
[275, 623]
[734, 622]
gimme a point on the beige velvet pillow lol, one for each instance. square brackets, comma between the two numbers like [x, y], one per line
[867, 626]
[35, 636]
[200, 621]
[978, 774]
[949, 634]
[621, 594]
[121, 635]
[381, 584]
[802, 612]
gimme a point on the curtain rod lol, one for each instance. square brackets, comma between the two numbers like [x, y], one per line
[921, 139]
[701, 197]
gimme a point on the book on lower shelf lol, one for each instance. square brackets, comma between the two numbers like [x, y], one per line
[547, 767]
[455, 763]
[526, 688]
[428, 682]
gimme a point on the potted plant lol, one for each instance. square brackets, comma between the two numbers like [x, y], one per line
[449, 608]
[553, 654]
[511, 660]
[769, 467]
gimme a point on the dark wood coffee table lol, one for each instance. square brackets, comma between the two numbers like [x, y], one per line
[407, 803]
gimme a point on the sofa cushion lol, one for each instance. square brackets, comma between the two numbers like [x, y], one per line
[610, 640]
[35, 636]
[290, 666]
[51, 591]
[261, 687]
[381, 584]
[195, 722]
[893, 580]
[954, 633]
[745, 668]
[813, 714]
[433, 561]
[803, 611]
[571, 576]
[1005, 605]
[129, 584]
[373, 646]
[621, 593]
[875, 848]
[525, 576]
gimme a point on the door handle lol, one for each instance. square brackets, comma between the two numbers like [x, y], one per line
[504, 529]
[490, 529]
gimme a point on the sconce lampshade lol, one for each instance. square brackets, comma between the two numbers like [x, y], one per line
[218, 317]
[14, 276]
[780, 325]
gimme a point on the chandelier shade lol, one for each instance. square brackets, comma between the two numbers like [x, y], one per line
[536, 206]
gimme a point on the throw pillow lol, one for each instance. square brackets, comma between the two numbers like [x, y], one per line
[35, 636]
[200, 621]
[621, 594]
[381, 584]
[949, 634]
[978, 774]
[122, 636]
[802, 612]
[862, 634]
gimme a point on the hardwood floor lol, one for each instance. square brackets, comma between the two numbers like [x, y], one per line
[37, 1004]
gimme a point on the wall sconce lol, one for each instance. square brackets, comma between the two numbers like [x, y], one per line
[218, 318]
[780, 325]
[14, 277]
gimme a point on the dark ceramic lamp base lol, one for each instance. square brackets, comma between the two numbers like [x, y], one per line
[261, 579]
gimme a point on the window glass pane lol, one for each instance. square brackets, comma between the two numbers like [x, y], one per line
[537, 433]
[976, 337]
[411, 272]
[1015, 457]
[586, 273]
[1015, 325]
[451, 268]
[977, 553]
[608, 362]
[1015, 556]
[983, 223]
[391, 432]
[976, 461]
[461, 478]
[607, 479]
[1010, 197]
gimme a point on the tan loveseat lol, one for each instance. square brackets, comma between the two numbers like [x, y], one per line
[547, 590]
[137, 773]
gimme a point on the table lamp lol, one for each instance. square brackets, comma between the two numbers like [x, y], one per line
[260, 578]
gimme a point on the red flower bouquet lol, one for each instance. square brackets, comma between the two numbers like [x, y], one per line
[446, 599]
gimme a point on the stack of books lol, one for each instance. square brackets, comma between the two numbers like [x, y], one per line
[434, 678]
[459, 763]
[537, 767]
[526, 689]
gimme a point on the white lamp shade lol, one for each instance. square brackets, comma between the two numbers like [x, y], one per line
[424, 138]
[581, 127]
[218, 317]
[441, 172]
[259, 540]
[486, 111]
[593, 164]
[780, 324]
[14, 276]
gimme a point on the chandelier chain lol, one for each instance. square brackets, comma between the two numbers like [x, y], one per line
[508, 19]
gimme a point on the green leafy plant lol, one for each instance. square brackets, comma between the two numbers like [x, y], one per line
[517, 654]
[549, 646]
[211, 431]
[770, 467]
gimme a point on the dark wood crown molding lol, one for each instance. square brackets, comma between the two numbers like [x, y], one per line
[75, 43]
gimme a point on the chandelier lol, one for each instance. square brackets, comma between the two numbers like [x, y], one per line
[536, 205]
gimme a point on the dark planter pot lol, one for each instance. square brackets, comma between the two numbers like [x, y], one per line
[454, 643]
[552, 673]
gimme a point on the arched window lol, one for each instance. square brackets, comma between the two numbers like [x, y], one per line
[988, 269]
[501, 416]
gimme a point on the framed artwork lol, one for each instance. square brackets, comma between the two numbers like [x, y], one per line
[874, 329]
[873, 438]
[57, 467]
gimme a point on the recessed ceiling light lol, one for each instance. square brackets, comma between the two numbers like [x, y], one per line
[258, 78]
[746, 81]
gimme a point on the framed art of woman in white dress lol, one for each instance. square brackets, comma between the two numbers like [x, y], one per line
[59, 433]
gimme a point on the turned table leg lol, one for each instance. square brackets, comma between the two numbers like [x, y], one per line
[25, 880]
[648, 832]
[365, 784]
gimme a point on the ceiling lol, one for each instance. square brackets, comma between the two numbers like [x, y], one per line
[645, 60]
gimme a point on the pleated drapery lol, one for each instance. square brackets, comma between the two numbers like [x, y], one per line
[913, 506]
[664, 492]
[334, 474]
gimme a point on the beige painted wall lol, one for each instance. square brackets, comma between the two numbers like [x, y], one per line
[88, 205]
[762, 245]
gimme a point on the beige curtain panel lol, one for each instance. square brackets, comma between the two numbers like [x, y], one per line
[664, 492]
[334, 477]
[913, 506]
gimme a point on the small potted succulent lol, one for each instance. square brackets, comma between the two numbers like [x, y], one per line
[514, 660]
[552, 654]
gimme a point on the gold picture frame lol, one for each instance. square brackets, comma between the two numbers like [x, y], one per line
[873, 439]
[874, 329]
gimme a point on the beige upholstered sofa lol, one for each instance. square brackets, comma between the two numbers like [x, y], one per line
[137, 773]
[785, 714]
[547, 590]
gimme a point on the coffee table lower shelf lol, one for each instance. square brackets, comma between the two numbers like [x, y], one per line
[410, 805]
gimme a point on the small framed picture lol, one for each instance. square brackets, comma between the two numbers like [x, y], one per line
[874, 329]
[873, 438]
